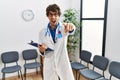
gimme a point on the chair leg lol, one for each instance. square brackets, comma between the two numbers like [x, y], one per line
[36, 70]
[79, 77]
[25, 73]
[110, 77]
[3, 76]
[76, 74]
[58, 78]
[18, 75]
[21, 75]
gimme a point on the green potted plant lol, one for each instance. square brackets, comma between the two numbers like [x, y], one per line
[72, 16]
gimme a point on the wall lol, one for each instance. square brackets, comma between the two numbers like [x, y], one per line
[113, 27]
[15, 33]
[76, 5]
[113, 32]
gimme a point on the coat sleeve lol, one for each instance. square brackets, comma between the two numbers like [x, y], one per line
[70, 32]
[40, 40]
[73, 31]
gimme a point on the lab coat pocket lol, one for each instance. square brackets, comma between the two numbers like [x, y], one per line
[49, 54]
[48, 61]
[49, 42]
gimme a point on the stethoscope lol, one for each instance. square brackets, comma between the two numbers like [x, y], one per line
[58, 33]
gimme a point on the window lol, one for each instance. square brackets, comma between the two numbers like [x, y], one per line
[93, 16]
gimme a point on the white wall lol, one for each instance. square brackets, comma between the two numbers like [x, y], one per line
[75, 4]
[15, 33]
[113, 32]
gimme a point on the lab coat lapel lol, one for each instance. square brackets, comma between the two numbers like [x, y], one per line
[51, 40]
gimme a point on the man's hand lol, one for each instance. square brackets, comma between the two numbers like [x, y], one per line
[68, 27]
[43, 47]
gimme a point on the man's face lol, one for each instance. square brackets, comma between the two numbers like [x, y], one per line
[53, 18]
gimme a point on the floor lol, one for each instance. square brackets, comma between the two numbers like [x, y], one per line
[34, 76]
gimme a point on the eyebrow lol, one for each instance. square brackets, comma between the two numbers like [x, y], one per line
[55, 13]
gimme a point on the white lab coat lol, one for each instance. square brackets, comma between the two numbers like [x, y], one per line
[56, 63]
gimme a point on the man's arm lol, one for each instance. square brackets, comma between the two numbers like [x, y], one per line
[69, 28]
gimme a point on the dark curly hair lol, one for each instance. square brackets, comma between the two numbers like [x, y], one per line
[53, 8]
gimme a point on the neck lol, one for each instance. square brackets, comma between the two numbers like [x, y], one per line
[52, 27]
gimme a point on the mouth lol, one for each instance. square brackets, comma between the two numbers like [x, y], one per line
[53, 21]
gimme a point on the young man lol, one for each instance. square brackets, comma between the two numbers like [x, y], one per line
[53, 40]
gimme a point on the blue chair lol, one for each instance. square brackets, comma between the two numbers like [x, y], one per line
[10, 57]
[114, 70]
[99, 62]
[84, 56]
[30, 54]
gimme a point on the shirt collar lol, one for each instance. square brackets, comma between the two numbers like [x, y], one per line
[55, 27]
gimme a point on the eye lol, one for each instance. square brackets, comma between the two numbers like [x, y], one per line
[53, 14]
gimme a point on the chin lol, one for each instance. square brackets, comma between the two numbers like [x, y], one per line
[54, 24]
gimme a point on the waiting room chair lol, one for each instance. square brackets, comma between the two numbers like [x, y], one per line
[114, 70]
[30, 54]
[7, 58]
[99, 62]
[84, 56]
